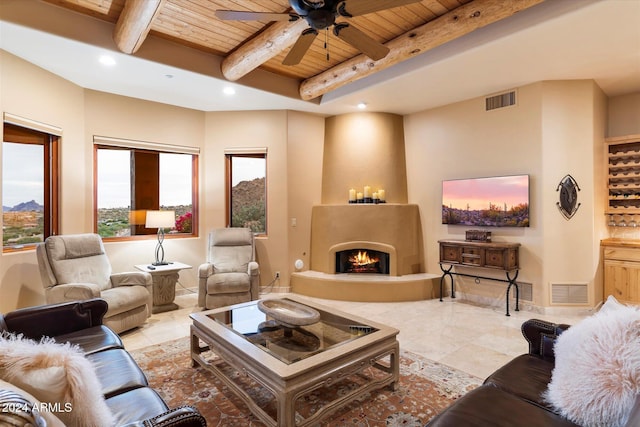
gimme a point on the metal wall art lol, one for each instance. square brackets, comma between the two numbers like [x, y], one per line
[568, 199]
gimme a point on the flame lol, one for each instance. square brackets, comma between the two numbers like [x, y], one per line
[362, 258]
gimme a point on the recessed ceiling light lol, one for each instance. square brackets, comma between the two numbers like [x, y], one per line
[107, 60]
[228, 90]
[362, 105]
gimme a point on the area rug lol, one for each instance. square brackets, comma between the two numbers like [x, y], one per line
[425, 389]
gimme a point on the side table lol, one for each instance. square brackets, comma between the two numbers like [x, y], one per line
[165, 278]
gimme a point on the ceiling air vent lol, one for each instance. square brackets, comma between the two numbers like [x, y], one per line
[500, 101]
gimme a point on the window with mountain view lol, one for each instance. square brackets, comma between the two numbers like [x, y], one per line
[29, 187]
[247, 191]
[130, 181]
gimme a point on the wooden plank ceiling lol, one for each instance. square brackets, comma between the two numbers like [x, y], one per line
[193, 23]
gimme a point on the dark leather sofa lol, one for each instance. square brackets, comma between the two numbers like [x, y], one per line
[511, 396]
[127, 393]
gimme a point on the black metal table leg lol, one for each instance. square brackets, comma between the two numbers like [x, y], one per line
[446, 273]
[512, 282]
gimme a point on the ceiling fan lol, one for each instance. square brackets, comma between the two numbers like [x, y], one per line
[320, 15]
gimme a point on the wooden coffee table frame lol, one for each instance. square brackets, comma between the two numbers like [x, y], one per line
[289, 382]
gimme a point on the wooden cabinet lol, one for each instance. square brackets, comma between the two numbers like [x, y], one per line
[500, 256]
[623, 164]
[622, 269]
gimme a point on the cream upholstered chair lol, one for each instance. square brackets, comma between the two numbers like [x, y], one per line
[231, 274]
[75, 267]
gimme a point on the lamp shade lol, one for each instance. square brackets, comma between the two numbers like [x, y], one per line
[160, 219]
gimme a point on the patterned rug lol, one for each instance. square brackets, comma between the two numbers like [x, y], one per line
[425, 389]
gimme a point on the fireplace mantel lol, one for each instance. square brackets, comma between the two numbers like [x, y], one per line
[395, 227]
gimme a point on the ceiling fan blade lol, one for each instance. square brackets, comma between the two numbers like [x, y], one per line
[362, 7]
[300, 47]
[238, 15]
[361, 41]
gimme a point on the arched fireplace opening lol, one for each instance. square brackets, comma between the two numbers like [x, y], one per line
[367, 261]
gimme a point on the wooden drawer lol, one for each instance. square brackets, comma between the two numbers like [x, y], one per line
[506, 259]
[625, 254]
[450, 253]
[473, 256]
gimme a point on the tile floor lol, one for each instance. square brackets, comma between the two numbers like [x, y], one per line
[474, 339]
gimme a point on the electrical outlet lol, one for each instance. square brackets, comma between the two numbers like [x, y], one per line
[277, 274]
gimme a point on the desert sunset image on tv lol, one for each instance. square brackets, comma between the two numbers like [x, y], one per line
[493, 202]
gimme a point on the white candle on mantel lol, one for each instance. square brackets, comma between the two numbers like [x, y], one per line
[352, 195]
[381, 194]
[359, 196]
[375, 195]
[367, 191]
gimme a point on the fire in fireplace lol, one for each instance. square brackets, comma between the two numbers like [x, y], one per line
[362, 261]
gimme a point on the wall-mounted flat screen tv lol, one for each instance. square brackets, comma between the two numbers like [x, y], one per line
[501, 201]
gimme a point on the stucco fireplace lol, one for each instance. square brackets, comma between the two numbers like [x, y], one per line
[364, 149]
[390, 228]
[391, 233]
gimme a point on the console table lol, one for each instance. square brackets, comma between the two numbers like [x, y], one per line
[486, 255]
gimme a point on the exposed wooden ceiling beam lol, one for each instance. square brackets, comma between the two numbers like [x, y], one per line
[134, 23]
[260, 49]
[450, 26]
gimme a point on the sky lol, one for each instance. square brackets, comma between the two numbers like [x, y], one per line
[114, 178]
[247, 169]
[22, 177]
[478, 193]
[175, 177]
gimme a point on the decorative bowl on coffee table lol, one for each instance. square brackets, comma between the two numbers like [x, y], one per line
[288, 313]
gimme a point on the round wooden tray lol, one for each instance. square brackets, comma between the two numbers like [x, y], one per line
[289, 313]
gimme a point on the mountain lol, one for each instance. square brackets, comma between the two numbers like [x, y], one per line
[247, 193]
[29, 206]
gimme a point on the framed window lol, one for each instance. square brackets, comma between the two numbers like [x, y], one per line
[29, 183]
[133, 177]
[246, 189]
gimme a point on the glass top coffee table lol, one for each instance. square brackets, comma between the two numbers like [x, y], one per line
[291, 352]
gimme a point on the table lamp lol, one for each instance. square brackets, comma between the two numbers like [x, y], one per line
[160, 220]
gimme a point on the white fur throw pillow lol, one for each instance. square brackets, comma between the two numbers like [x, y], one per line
[597, 368]
[59, 376]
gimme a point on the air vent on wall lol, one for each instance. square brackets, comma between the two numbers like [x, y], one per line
[569, 293]
[526, 291]
[500, 101]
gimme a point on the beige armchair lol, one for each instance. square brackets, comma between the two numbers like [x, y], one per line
[75, 267]
[230, 275]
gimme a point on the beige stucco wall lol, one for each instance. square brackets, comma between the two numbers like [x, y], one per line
[624, 115]
[364, 149]
[573, 132]
[555, 129]
[304, 165]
